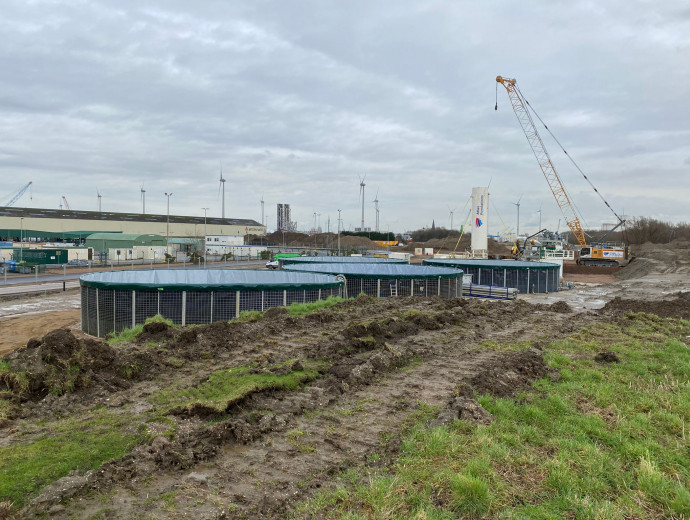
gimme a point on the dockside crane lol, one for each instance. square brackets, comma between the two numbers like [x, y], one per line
[595, 254]
[21, 192]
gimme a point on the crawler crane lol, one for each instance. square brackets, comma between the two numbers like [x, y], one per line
[590, 254]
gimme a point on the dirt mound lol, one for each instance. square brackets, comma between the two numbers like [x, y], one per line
[513, 372]
[560, 306]
[155, 331]
[677, 307]
[358, 242]
[637, 268]
[61, 363]
[571, 268]
[607, 357]
[446, 245]
[462, 405]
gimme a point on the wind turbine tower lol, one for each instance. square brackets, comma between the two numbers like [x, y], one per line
[451, 211]
[517, 232]
[361, 191]
[143, 199]
[99, 200]
[376, 205]
[222, 187]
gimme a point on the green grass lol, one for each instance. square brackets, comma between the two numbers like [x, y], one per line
[249, 316]
[226, 387]
[299, 309]
[606, 442]
[25, 467]
[131, 334]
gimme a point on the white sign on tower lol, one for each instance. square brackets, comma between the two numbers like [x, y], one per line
[480, 220]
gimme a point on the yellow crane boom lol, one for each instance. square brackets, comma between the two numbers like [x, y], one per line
[543, 158]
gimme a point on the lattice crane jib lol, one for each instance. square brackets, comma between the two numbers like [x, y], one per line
[18, 195]
[543, 158]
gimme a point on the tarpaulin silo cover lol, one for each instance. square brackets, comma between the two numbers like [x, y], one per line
[382, 271]
[489, 264]
[207, 280]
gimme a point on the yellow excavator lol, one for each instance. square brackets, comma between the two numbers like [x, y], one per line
[598, 253]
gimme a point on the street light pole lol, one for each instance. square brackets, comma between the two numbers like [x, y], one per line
[338, 232]
[167, 225]
[205, 210]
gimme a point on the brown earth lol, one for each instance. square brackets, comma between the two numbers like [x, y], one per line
[270, 450]
[16, 331]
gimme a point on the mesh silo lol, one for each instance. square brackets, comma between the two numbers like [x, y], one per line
[390, 279]
[526, 277]
[116, 300]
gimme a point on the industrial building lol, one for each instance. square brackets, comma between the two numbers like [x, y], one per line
[283, 221]
[72, 225]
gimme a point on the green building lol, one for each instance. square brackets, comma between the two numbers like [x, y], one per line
[107, 241]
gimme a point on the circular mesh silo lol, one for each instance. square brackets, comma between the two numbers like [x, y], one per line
[387, 279]
[116, 300]
[526, 277]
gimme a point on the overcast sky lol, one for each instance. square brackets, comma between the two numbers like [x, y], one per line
[298, 100]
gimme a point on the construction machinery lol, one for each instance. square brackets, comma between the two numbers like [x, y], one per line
[598, 253]
[21, 192]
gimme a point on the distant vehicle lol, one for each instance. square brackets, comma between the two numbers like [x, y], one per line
[78, 262]
[273, 264]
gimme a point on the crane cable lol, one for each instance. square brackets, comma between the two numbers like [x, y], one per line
[462, 230]
[571, 200]
[505, 228]
[567, 154]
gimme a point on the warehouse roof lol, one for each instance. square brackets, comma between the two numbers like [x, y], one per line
[6, 211]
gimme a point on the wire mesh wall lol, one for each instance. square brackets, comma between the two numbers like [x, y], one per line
[387, 287]
[105, 311]
[524, 280]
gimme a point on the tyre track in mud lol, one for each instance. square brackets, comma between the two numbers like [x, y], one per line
[303, 439]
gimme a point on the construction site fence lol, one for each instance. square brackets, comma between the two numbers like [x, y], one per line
[524, 280]
[105, 311]
[386, 287]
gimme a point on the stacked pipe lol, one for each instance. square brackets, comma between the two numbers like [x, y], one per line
[489, 291]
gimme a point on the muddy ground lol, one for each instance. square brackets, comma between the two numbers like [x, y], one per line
[380, 360]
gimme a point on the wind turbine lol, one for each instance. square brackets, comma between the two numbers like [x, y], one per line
[451, 211]
[221, 187]
[539, 216]
[99, 200]
[376, 205]
[143, 199]
[361, 192]
[517, 233]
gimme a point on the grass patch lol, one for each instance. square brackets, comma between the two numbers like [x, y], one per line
[249, 316]
[607, 441]
[223, 388]
[25, 467]
[130, 334]
[300, 309]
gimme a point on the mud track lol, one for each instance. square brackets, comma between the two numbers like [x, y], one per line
[386, 361]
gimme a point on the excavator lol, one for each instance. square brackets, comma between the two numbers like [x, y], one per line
[599, 253]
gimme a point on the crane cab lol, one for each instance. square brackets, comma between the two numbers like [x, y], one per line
[607, 255]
